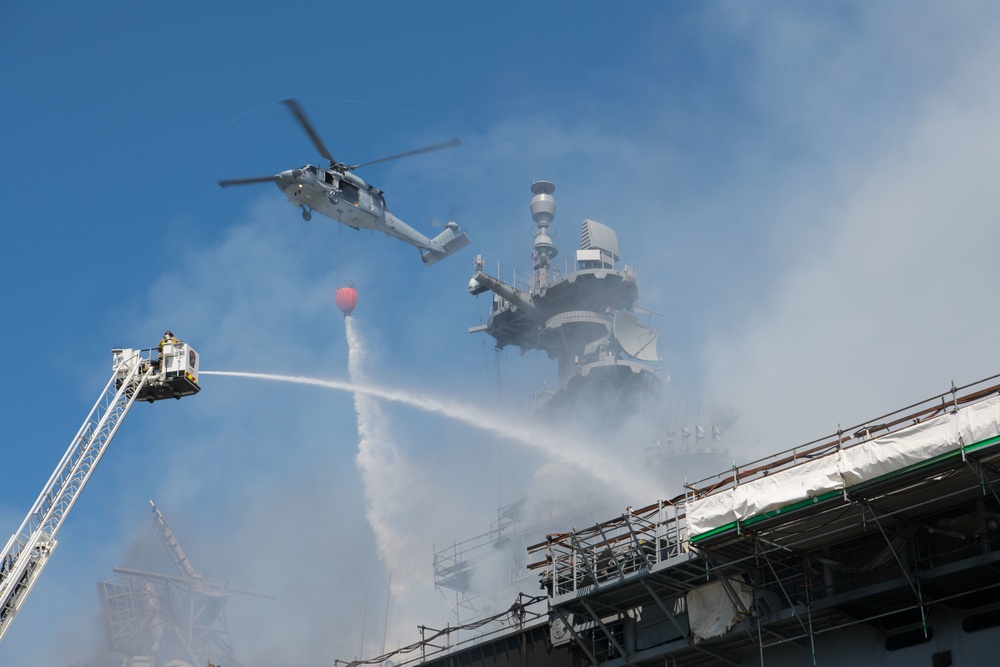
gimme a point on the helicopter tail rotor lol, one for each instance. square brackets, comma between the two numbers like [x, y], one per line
[436, 222]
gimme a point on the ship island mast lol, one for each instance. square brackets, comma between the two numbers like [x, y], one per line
[582, 316]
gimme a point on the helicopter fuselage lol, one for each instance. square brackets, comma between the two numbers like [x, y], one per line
[348, 199]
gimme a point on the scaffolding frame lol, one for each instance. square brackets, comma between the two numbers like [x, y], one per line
[883, 553]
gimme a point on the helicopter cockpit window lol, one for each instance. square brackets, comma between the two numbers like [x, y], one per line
[328, 177]
[349, 193]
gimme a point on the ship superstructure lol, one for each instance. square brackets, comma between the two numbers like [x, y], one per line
[583, 315]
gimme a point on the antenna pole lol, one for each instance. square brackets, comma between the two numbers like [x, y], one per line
[364, 620]
[385, 620]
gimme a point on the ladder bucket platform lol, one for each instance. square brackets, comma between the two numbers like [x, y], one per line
[172, 374]
[148, 375]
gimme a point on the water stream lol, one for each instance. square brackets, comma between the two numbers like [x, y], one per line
[601, 460]
[608, 467]
[386, 478]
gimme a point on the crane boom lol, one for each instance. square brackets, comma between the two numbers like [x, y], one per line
[135, 376]
[172, 546]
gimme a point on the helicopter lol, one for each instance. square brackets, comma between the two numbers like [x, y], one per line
[341, 195]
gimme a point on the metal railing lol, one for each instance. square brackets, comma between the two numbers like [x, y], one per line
[526, 610]
[631, 543]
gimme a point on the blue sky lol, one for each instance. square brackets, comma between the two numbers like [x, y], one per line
[807, 192]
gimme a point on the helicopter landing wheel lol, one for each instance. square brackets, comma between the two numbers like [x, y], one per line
[306, 214]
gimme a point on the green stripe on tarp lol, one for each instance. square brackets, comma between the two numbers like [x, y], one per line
[815, 500]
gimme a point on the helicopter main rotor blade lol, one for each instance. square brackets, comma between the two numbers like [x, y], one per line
[246, 181]
[426, 149]
[300, 115]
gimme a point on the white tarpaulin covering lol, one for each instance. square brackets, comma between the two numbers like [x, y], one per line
[970, 425]
[711, 611]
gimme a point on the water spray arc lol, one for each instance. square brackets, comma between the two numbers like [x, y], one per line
[590, 458]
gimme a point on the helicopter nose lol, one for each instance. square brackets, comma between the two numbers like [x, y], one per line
[287, 178]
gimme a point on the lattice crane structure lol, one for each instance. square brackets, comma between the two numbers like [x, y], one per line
[160, 620]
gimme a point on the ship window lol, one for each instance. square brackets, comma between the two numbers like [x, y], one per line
[907, 639]
[901, 619]
[977, 622]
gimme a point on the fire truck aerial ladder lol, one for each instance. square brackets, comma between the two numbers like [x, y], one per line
[142, 375]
